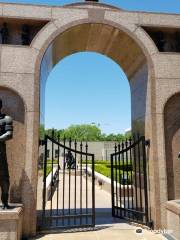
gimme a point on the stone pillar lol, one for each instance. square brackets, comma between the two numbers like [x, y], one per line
[165, 85]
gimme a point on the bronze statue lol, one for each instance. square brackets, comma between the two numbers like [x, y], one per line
[177, 41]
[4, 33]
[6, 132]
[161, 41]
[70, 161]
[25, 35]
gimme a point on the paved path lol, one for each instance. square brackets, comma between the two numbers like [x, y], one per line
[107, 228]
[120, 231]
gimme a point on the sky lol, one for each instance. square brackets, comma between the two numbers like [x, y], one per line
[91, 88]
[168, 6]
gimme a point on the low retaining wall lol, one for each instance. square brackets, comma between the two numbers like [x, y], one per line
[173, 217]
[105, 183]
[49, 180]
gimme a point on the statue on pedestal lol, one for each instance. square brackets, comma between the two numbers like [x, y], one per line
[4, 33]
[70, 161]
[6, 133]
[25, 35]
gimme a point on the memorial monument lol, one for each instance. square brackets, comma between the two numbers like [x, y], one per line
[4, 33]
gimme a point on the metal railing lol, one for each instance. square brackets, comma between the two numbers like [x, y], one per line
[129, 181]
[71, 202]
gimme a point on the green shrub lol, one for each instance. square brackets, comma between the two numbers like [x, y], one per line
[48, 169]
[127, 167]
[96, 162]
[106, 171]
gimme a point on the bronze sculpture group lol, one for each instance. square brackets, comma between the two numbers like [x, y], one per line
[70, 161]
[25, 34]
[166, 42]
[6, 133]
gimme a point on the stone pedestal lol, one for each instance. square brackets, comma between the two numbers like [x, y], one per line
[11, 223]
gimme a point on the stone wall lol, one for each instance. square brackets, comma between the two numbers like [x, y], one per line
[117, 34]
[101, 150]
[138, 86]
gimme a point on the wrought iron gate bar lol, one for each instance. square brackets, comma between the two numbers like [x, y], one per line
[129, 180]
[63, 180]
[75, 145]
[68, 200]
[132, 210]
[69, 216]
[65, 147]
[130, 146]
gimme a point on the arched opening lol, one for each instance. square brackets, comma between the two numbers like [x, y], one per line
[13, 106]
[90, 91]
[113, 43]
[172, 145]
[88, 88]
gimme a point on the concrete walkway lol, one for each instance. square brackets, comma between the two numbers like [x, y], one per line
[107, 228]
[120, 231]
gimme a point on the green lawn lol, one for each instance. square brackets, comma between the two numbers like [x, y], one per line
[103, 167]
[49, 166]
[48, 169]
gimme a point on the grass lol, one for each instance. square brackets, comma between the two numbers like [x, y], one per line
[49, 161]
[103, 167]
[96, 162]
[48, 167]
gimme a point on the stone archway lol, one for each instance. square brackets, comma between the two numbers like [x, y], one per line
[66, 40]
[172, 145]
[112, 42]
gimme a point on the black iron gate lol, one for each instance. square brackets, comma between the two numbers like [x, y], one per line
[129, 181]
[68, 185]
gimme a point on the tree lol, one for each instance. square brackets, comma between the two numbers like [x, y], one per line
[84, 132]
[41, 131]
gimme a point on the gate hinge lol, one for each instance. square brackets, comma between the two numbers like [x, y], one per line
[147, 143]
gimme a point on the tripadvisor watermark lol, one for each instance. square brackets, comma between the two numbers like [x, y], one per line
[162, 231]
[140, 231]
